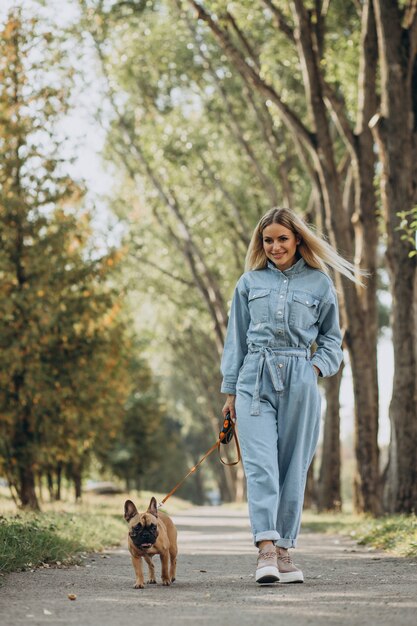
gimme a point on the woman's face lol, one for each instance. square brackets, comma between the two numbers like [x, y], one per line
[280, 245]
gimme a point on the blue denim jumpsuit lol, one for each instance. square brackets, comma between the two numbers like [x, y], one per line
[274, 319]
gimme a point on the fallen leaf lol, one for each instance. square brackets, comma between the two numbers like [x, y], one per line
[72, 596]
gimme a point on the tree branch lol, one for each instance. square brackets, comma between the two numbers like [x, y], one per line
[288, 116]
[280, 20]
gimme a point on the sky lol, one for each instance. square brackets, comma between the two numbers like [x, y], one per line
[87, 141]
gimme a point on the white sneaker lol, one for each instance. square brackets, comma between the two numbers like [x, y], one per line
[288, 572]
[267, 569]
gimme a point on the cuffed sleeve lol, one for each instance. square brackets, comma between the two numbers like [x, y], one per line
[329, 354]
[235, 346]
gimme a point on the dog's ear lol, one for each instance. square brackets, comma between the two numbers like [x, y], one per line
[153, 508]
[130, 510]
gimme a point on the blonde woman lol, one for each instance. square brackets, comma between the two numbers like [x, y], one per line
[283, 303]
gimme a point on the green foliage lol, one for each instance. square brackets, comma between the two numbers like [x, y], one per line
[148, 451]
[408, 226]
[62, 331]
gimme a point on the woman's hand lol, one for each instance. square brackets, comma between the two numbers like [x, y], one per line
[229, 407]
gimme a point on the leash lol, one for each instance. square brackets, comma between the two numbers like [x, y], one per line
[227, 433]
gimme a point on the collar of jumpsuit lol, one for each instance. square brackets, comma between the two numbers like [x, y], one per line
[294, 269]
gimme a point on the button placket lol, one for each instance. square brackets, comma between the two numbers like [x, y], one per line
[282, 299]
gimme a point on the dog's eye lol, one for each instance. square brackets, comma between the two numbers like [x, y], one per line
[152, 526]
[138, 526]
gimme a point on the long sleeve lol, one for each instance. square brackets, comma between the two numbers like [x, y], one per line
[235, 347]
[329, 354]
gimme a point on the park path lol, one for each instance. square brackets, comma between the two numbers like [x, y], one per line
[345, 584]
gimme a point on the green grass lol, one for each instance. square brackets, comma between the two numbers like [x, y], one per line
[396, 534]
[28, 540]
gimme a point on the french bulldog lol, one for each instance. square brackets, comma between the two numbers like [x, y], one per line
[151, 533]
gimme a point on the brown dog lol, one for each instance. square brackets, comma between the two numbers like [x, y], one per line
[151, 533]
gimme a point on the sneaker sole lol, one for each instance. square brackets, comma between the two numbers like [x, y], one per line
[267, 575]
[291, 577]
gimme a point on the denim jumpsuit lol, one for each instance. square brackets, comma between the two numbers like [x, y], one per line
[274, 319]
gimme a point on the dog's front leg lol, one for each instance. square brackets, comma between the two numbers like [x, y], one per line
[173, 560]
[164, 568]
[151, 570]
[137, 566]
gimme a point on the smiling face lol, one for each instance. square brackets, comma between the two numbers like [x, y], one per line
[280, 245]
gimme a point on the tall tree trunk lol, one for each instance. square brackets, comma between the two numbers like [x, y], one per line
[329, 496]
[50, 483]
[27, 492]
[395, 130]
[58, 482]
[362, 351]
[77, 478]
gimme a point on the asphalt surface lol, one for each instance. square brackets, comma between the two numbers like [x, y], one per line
[344, 584]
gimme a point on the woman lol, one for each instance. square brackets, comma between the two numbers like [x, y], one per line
[283, 303]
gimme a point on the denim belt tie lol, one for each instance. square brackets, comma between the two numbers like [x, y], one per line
[268, 356]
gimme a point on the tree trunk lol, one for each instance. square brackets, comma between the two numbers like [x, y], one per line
[27, 492]
[58, 482]
[395, 130]
[355, 314]
[50, 483]
[328, 492]
[77, 478]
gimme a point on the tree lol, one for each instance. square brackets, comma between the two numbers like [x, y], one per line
[61, 334]
[395, 132]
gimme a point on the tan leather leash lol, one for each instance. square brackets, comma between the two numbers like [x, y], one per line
[224, 437]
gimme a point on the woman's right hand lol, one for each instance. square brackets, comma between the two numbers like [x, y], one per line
[229, 407]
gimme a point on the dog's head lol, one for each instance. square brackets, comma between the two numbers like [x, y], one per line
[143, 527]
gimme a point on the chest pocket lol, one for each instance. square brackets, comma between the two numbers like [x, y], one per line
[258, 302]
[304, 309]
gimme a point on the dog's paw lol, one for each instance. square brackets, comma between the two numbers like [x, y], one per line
[151, 581]
[172, 580]
[139, 586]
[166, 582]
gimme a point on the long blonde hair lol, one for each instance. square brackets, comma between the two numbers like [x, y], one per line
[315, 251]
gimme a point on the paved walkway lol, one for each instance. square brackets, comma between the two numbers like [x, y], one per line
[345, 584]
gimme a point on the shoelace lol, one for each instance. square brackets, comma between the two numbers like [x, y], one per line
[284, 557]
[267, 555]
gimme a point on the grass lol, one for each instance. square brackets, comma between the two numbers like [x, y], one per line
[396, 534]
[65, 531]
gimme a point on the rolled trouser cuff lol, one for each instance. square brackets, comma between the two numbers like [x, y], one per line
[283, 542]
[266, 535]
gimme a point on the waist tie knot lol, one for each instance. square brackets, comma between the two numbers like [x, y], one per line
[267, 357]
